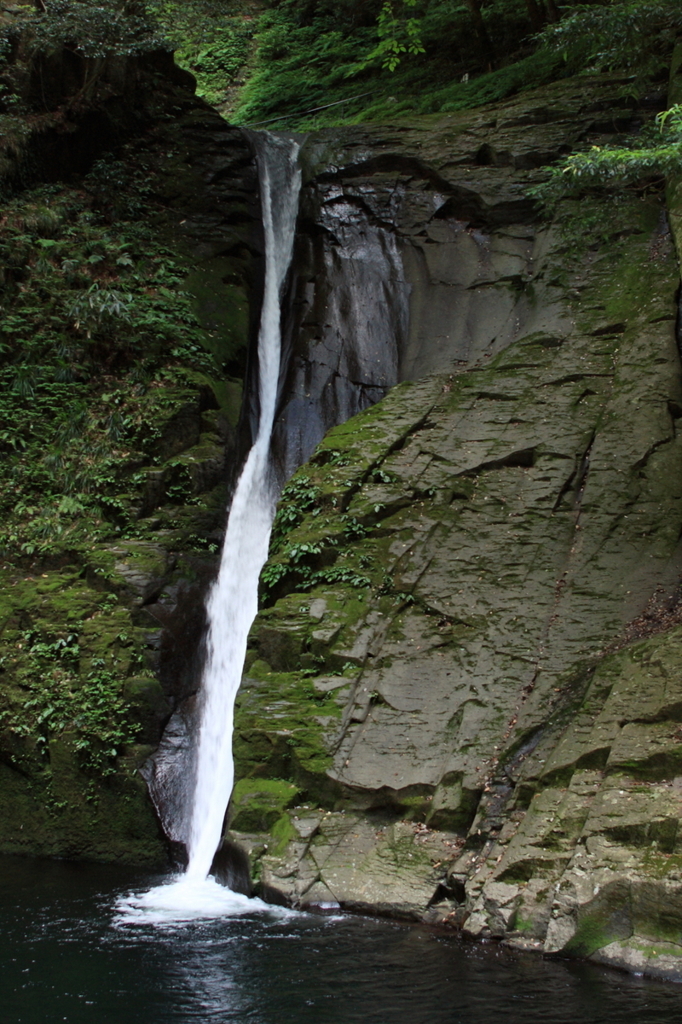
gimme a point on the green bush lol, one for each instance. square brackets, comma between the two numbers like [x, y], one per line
[210, 38]
[633, 36]
[652, 155]
[96, 334]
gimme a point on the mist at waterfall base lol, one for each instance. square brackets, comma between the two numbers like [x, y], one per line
[66, 955]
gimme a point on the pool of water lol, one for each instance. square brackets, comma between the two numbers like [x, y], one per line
[76, 947]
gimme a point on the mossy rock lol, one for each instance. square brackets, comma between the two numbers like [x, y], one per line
[257, 804]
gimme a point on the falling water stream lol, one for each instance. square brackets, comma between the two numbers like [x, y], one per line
[233, 601]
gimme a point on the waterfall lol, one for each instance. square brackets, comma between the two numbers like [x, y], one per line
[233, 601]
[347, 322]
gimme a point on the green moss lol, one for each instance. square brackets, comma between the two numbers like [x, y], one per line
[222, 309]
[70, 721]
[405, 853]
[282, 832]
[60, 812]
[670, 949]
[592, 934]
[228, 394]
[257, 804]
[65, 737]
[279, 730]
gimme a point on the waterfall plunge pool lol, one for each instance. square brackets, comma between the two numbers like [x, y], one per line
[72, 952]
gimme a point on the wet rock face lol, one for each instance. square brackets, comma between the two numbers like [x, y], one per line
[347, 320]
[418, 252]
[442, 667]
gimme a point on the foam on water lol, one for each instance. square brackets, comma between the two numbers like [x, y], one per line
[183, 900]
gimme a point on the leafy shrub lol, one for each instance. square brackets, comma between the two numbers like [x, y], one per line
[209, 40]
[92, 710]
[95, 30]
[654, 154]
[633, 36]
[96, 334]
[298, 497]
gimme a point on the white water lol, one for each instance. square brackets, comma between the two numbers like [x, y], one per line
[233, 601]
[182, 900]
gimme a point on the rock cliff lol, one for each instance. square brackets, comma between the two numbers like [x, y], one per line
[460, 702]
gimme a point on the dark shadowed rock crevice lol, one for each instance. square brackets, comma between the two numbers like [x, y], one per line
[346, 321]
[417, 255]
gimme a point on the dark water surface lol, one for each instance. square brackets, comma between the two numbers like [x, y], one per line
[63, 959]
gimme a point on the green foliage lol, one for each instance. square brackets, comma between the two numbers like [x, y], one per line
[531, 72]
[633, 36]
[65, 294]
[298, 497]
[340, 574]
[94, 30]
[398, 35]
[353, 529]
[590, 222]
[210, 39]
[654, 154]
[301, 62]
[299, 563]
[56, 701]
[336, 458]
[380, 476]
[97, 339]
[310, 55]
[271, 575]
[302, 561]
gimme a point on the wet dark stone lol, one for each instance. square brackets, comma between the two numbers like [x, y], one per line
[231, 868]
[170, 774]
[344, 322]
